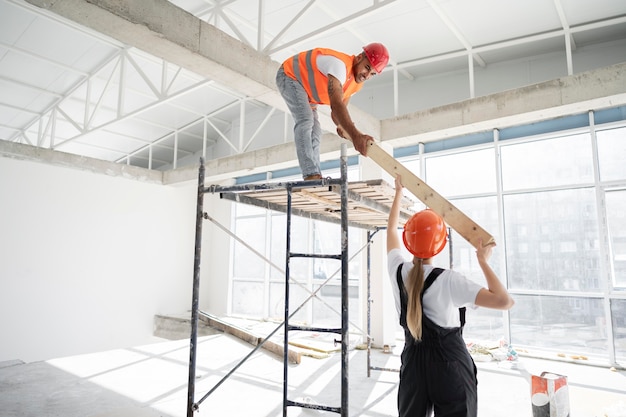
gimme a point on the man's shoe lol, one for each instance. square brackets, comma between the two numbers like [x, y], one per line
[313, 177]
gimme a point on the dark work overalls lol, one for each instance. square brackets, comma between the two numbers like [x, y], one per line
[437, 372]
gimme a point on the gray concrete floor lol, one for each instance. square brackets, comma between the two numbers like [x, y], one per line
[151, 381]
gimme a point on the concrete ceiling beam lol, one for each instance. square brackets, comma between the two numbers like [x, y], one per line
[578, 93]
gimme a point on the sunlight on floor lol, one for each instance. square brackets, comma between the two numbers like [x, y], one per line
[151, 381]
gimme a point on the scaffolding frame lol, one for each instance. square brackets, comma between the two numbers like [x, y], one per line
[373, 213]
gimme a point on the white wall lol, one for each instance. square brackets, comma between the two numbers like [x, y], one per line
[87, 260]
[216, 261]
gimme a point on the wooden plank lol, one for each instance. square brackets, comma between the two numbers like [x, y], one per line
[318, 342]
[315, 348]
[276, 348]
[368, 202]
[454, 217]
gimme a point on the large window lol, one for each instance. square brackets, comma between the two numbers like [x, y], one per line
[465, 174]
[573, 325]
[258, 281]
[553, 244]
[552, 241]
[482, 323]
[258, 287]
[559, 161]
[556, 206]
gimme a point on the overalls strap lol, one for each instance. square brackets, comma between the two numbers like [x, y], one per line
[429, 281]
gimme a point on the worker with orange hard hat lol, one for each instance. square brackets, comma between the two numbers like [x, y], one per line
[437, 373]
[325, 76]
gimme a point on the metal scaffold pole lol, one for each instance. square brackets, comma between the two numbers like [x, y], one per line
[195, 294]
[345, 339]
[286, 322]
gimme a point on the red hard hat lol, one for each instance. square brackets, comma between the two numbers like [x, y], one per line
[425, 234]
[378, 56]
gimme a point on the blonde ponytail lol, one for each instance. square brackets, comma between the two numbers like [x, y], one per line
[414, 308]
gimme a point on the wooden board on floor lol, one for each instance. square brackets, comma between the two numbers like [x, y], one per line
[321, 342]
[274, 347]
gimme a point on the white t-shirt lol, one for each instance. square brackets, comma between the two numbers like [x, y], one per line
[328, 64]
[450, 291]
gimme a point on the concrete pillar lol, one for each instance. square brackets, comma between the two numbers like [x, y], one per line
[384, 321]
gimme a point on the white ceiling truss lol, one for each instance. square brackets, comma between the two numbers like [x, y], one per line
[68, 88]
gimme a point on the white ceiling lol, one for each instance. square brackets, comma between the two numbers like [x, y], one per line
[67, 88]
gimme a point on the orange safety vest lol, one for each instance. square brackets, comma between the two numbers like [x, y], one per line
[303, 68]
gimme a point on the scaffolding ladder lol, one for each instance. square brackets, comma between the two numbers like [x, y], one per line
[343, 330]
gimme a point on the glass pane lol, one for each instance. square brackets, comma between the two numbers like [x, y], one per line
[356, 240]
[276, 309]
[616, 218]
[462, 173]
[299, 244]
[299, 300]
[327, 240]
[248, 264]
[354, 173]
[612, 153]
[550, 162]
[618, 312]
[484, 324]
[246, 296]
[324, 316]
[277, 245]
[412, 164]
[552, 241]
[300, 235]
[300, 268]
[484, 211]
[566, 324]
[244, 210]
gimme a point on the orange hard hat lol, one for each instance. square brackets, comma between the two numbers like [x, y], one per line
[425, 234]
[378, 55]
